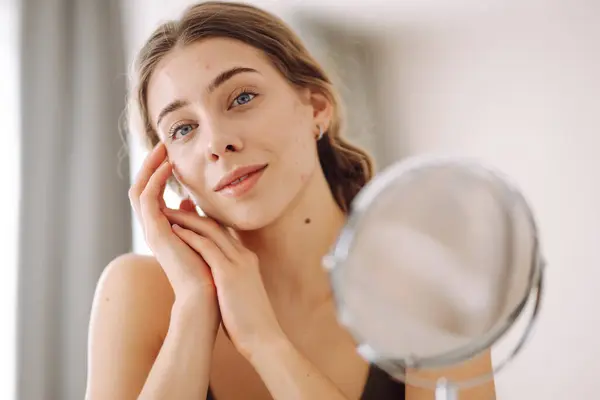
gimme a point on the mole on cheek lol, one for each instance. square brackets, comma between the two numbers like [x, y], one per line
[307, 221]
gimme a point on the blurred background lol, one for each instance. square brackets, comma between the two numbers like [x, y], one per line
[514, 83]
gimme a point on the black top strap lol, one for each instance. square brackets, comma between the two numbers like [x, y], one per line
[379, 386]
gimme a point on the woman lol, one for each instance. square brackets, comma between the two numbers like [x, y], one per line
[235, 304]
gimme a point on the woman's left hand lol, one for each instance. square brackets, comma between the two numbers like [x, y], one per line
[246, 311]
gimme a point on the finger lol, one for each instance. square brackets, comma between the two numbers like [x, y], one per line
[187, 205]
[209, 251]
[206, 227]
[234, 239]
[151, 163]
[150, 204]
[149, 166]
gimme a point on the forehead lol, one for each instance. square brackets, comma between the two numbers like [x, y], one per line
[186, 70]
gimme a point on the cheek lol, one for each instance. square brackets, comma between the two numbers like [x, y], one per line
[299, 152]
[292, 124]
[189, 171]
[302, 163]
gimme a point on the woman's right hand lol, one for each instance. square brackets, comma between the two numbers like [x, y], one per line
[187, 272]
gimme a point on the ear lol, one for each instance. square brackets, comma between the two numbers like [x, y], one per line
[322, 109]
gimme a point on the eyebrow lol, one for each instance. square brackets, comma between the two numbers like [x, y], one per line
[218, 81]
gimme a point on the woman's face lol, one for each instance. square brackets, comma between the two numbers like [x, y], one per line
[225, 113]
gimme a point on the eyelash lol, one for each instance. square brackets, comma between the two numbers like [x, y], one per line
[242, 92]
[175, 128]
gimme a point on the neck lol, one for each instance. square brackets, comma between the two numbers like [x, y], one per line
[291, 249]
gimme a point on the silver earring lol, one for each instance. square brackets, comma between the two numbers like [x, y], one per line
[320, 132]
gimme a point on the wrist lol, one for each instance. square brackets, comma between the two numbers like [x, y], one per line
[196, 306]
[195, 298]
[269, 349]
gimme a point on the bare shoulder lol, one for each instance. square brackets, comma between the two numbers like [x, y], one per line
[138, 283]
[133, 302]
[130, 318]
[135, 274]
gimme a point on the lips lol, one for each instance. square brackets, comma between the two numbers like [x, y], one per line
[237, 176]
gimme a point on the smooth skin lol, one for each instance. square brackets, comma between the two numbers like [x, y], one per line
[239, 298]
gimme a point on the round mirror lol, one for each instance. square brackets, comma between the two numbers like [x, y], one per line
[436, 262]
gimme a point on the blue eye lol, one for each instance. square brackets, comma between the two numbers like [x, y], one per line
[244, 98]
[181, 131]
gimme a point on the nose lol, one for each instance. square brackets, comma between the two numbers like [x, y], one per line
[221, 144]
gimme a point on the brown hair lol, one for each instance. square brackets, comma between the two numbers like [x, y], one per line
[347, 168]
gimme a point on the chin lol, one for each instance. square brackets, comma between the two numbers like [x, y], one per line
[256, 212]
[248, 217]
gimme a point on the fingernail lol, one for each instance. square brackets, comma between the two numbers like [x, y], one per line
[175, 226]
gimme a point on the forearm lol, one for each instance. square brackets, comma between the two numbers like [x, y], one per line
[182, 367]
[289, 375]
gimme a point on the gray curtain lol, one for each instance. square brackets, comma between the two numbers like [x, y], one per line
[75, 213]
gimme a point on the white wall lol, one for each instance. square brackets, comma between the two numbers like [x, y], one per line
[518, 88]
[521, 90]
